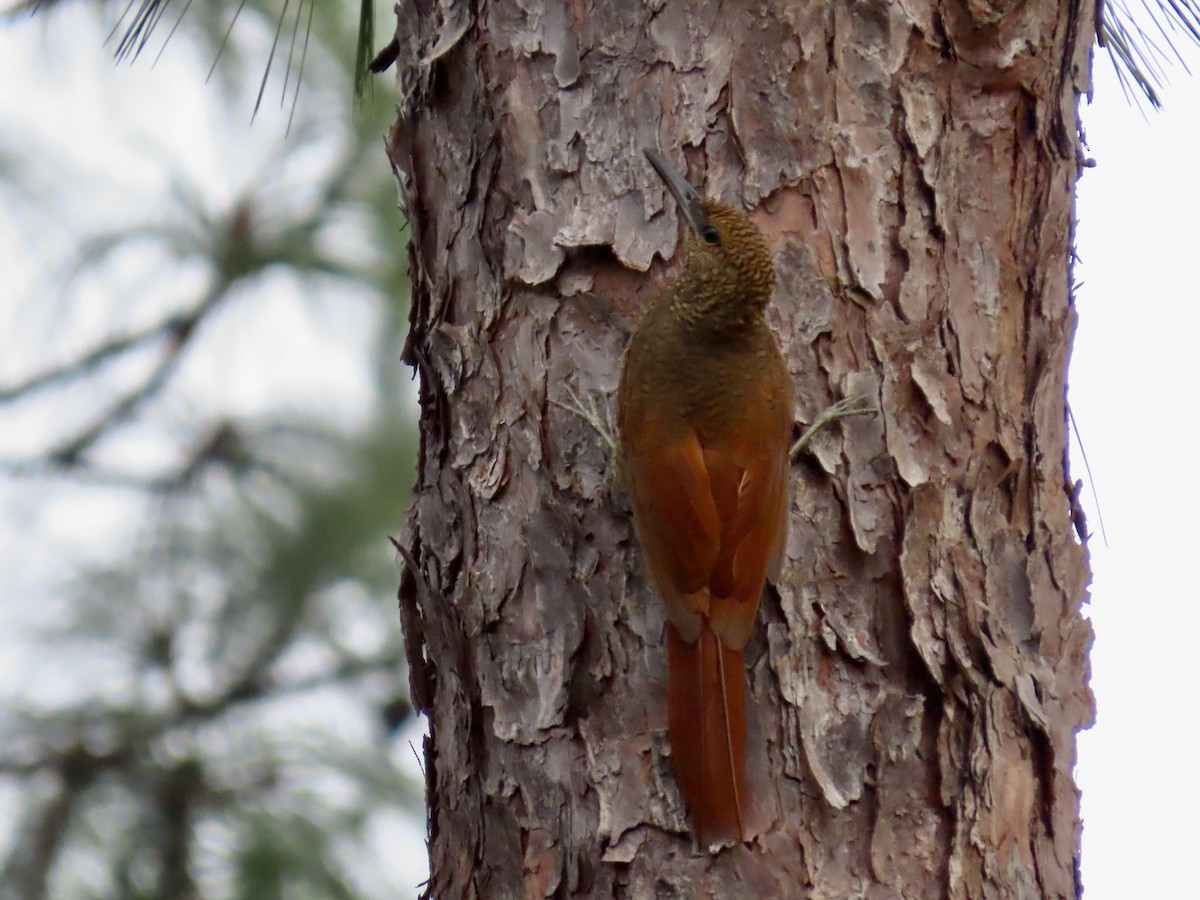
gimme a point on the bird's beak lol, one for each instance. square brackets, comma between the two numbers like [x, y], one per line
[688, 198]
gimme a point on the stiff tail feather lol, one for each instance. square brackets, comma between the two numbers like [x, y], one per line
[706, 715]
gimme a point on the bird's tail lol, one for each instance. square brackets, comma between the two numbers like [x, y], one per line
[706, 714]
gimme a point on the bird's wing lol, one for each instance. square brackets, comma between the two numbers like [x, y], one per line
[750, 491]
[677, 524]
[712, 523]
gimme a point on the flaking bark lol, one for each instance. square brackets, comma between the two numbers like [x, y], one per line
[918, 676]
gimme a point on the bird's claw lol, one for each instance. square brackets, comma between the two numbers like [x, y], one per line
[591, 414]
[858, 405]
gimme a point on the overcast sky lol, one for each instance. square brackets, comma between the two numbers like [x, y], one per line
[1132, 392]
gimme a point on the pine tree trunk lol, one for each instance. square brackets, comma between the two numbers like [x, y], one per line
[919, 673]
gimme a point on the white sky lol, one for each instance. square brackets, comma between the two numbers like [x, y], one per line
[1131, 390]
[1133, 377]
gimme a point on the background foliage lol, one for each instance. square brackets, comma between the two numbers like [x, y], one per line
[205, 437]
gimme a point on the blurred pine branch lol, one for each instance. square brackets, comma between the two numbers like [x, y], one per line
[211, 686]
[1143, 44]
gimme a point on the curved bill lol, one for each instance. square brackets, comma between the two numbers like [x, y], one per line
[690, 202]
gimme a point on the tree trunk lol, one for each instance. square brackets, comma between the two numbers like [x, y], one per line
[919, 673]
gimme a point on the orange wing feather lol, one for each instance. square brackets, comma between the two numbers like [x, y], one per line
[678, 526]
[711, 522]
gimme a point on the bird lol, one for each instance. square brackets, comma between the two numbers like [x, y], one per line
[704, 419]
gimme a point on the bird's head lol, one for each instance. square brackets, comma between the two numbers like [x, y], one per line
[727, 256]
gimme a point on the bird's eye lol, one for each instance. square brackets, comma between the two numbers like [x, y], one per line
[710, 235]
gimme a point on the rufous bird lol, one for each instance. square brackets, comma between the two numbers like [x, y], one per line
[705, 412]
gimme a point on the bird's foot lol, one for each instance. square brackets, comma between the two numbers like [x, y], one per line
[591, 414]
[602, 423]
[859, 405]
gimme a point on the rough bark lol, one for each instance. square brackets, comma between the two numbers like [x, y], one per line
[920, 671]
